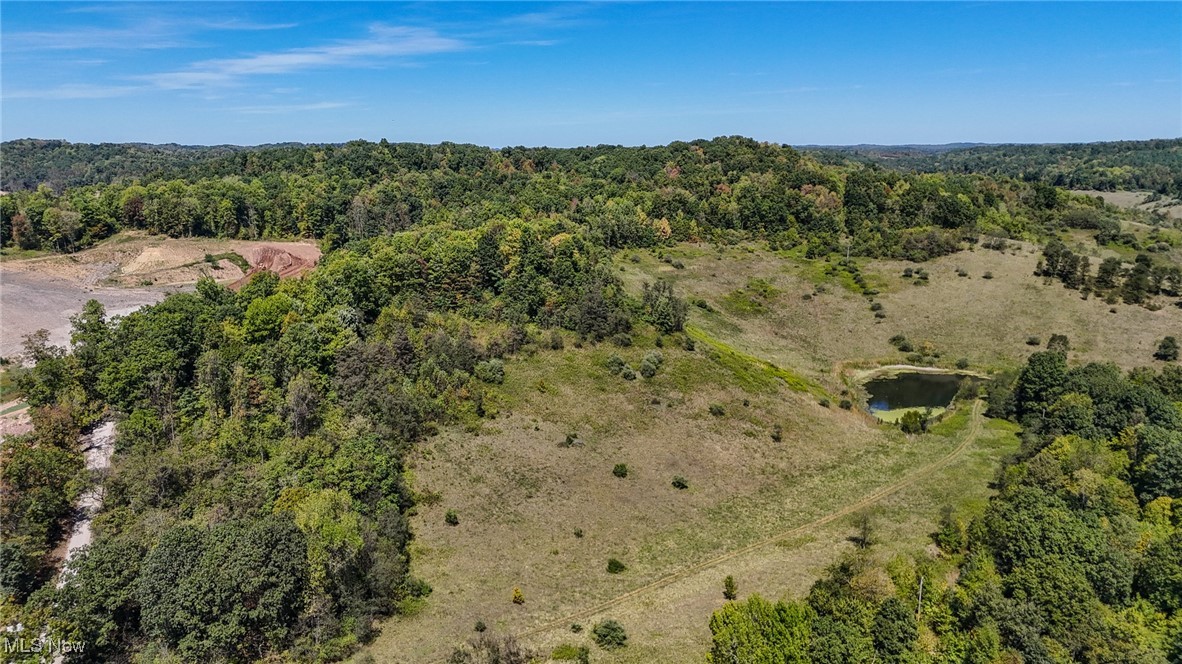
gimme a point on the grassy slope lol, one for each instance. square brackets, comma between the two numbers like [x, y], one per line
[520, 496]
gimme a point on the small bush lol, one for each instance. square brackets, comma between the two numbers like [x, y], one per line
[491, 371]
[961, 272]
[777, 433]
[621, 470]
[678, 265]
[717, 410]
[610, 635]
[729, 589]
[1033, 341]
[623, 340]
[846, 404]
[647, 369]
[876, 306]
[556, 340]
[518, 596]
[615, 364]
[906, 346]
[451, 518]
[987, 275]
[880, 315]
[688, 344]
[576, 628]
[628, 373]
[680, 482]
[578, 533]
[480, 626]
[908, 272]
[654, 356]
[824, 403]
[614, 566]
[962, 363]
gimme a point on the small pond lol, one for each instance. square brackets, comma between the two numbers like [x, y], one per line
[912, 390]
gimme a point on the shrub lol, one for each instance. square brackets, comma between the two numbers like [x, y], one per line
[556, 340]
[654, 356]
[578, 533]
[824, 403]
[628, 373]
[1167, 350]
[647, 369]
[480, 626]
[880, 315]
[451, 518]
[576, 628]
[680, 482]
[1033, 341]
[518, 596]
[610, 635]
[846, 404]
[623, 340]
[777, 433]
[621, 470]
[911, 422]
[908, 272]
[962, 363]
[876, 306]
[688, 344]
[491, 371]
[615, 364]
[614, 566]
[729, 589]
[987, 275]
[678, 265]
[906, 346]
[717, 410]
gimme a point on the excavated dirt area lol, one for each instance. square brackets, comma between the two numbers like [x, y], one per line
[126, 272]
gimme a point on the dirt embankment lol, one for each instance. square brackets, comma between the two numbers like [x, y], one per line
[126, 272]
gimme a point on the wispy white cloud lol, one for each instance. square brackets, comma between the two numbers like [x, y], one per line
[382, 42]
[290, 108]
[75, 91]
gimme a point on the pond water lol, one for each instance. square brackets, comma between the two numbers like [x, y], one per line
[912, 390]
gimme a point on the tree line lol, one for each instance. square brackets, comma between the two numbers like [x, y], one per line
[725, 188]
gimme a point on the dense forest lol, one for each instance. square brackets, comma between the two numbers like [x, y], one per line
[1077, 559]
[1154, 165]
[713, 190]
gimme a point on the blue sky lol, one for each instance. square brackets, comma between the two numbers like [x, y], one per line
[576, 74]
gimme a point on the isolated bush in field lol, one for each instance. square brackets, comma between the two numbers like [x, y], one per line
[962, 363]
[1033, 341]
[628, 373]
[824, 403]
[987, 275]
[729, 589]
[648, 369]
[1059, 343]
[491, 371]
[556, 340]
[615, 364]
[576, 628]
[518, 596]
[880, 315]
[846, 404]
[777, 433]
[876, 306]
[897, 340]
[1167, 350]
[655, 356]
[610, 635]
[689, 344]
[623, 340]
[480, 626]
[614, 566]
[621, 470]
[451, 518]
[578, 533]
[717, 410]
[680, 482]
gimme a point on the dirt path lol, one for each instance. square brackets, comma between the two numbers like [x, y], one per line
[97, 446]
[883, 492]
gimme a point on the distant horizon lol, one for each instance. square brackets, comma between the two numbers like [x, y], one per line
[951, 145]
[573, 74]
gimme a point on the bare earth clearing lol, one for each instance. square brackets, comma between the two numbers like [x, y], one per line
[1171, 207]
[125, 272]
